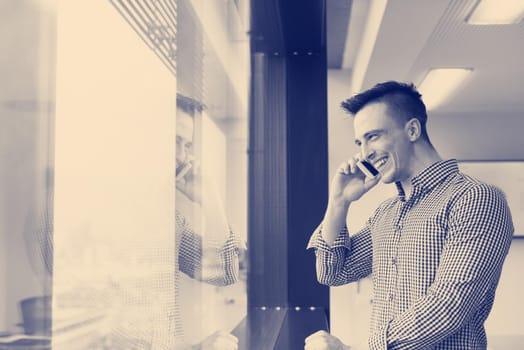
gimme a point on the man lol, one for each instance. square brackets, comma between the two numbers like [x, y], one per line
[435, 252]
[211, 256]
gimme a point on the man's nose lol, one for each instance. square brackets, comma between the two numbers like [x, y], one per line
[366, 152]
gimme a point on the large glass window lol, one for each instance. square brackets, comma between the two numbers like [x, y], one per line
[27, 104]
[124, 184]
[124, 189]
[114, 261]
[211, 161]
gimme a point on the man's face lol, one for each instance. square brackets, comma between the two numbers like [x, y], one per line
[184, 137]
[383, 142]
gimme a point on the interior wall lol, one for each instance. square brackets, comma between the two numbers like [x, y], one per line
[506, 316]
[462, 136]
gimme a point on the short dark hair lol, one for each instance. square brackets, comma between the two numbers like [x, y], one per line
[402, 99]
[188, 104]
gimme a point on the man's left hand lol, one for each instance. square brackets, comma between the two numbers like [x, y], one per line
[322, 340]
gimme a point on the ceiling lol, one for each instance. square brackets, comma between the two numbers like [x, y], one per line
[368, 40]
[413, 36]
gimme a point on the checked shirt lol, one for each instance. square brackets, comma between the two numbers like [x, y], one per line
[435, 259]
[212, 262]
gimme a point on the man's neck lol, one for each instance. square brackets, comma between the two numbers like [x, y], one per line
[422, 158]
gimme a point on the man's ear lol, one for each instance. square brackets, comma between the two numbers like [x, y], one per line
[413, 129]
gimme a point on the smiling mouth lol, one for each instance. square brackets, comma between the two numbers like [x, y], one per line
[380, 163]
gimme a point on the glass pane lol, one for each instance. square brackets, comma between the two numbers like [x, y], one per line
[114, 258]
[93, 120]
[27, 68]
[211, 197]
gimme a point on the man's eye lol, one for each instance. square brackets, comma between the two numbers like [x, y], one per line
[372, 137]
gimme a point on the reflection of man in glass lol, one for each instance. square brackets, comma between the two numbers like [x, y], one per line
[210, 255]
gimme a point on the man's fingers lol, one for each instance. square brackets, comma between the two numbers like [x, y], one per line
[316, 344]
[371, 182]
[224, 344]
[317, 341]
[227, 337]
[315, 335]
[230, 337]
[344, 168]
[348, 167]
[322, 340]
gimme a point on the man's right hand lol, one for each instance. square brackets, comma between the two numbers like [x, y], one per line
[189, 181]
[322, 340]
[349, 183]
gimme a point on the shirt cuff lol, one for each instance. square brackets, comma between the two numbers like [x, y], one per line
[316, 241]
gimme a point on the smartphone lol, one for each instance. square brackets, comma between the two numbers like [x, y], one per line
[367, 168]
[182, 170]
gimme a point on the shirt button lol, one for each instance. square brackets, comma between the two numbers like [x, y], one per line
[393, 260]
[391, 296]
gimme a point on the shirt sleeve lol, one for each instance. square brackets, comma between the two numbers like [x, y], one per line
[479, 235]
[209, 261]
[348, 259]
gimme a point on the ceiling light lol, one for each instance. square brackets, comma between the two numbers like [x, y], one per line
[440, 83]
[497, 12]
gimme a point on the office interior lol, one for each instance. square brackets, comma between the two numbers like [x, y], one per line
[88, 106]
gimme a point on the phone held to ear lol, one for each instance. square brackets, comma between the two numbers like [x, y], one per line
[182, 170]
[367, 168]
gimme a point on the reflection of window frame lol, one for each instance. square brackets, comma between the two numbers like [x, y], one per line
[155, 22]
[200, 80]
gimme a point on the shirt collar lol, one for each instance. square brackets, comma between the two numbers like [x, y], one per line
[430, 177]
[435, 174]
